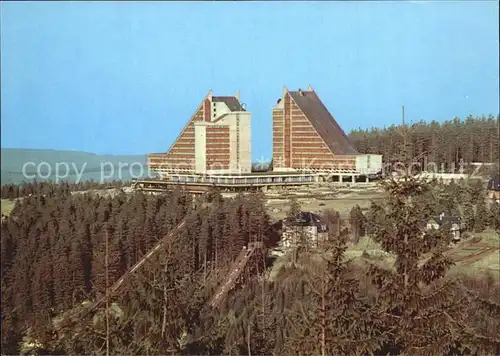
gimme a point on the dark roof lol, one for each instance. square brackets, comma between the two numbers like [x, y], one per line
[232, 102]
[441, 220]
[494, 183]
[323, 122]
[307, 218]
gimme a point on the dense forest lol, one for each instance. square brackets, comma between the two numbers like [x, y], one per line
[53, 250]
[475, 139]
[13, 191]
[60, 249]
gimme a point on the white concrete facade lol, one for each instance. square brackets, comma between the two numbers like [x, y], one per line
[454, 229]
[200, 146]
[239, 123]
[368, 164]
[292, 235]
[218, 109]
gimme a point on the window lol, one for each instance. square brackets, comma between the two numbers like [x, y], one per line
[238, 139]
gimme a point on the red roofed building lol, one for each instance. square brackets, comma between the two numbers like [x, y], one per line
[216, 140]
[306, 137]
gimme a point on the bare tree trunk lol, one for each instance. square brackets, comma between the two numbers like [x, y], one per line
[216, 248]
[406, 243]
[263, 293]
[205, 266]
[107, 292]
[248, 340]
[323, 318]
[491, 151]
[165, 301]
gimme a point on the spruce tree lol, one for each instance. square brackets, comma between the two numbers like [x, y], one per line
[419, 322]
[328, 316]
[293, 209]
[469, 216]
[357, 222]
[494, 216]
[481, 219]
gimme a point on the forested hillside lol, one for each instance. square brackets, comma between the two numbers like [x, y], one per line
[14, 191]
[60, 251]
[53, 255]
[23, 165]
[475, 139]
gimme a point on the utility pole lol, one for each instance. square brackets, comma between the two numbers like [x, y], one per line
[403, 116]
[404, 127]
[404, 153]
[405, 131]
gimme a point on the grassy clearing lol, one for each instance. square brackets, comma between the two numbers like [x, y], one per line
[7, 206]
[365, 243]
[340, 200]
[489, 262]
[489, 238]
[477, 255]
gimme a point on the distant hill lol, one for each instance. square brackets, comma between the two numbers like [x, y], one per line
[68, 166]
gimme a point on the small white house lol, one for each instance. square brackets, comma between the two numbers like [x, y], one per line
[494, 188]
[308, 226]
[453, 222]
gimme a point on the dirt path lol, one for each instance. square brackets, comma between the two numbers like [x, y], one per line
[477, 256]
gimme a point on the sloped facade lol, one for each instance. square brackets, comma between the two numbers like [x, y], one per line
[216, 140]
[307, 138]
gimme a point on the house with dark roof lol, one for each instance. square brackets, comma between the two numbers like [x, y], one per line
[306, 137]
[215, 140]
[446, 221]
[306, 226]
[494, 187]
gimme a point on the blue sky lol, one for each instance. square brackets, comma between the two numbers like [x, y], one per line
[124, 78]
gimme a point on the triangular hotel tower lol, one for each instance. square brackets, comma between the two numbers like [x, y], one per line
[216, 140]
[306, 137]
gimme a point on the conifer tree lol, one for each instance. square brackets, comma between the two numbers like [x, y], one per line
[293, 209]
[328, 317]
[357, 222]
[494, 221]
[418, 321]
[469, 216]
[334, 222]
[481, 218]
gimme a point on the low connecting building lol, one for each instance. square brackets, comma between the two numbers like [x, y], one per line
[308, 145]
